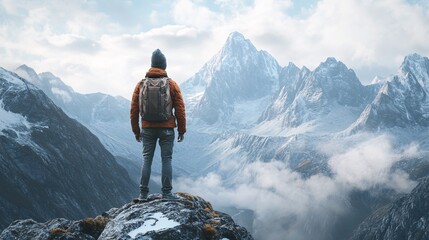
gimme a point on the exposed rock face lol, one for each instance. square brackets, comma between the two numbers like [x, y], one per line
[189, 217]
[406, 218]
[307, 96]
[402, 101]
[50, 165]
[105, 116]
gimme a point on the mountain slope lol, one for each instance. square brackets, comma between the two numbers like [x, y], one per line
[405, 218]
[306, 118]
[236, 76]
[50, 165]
[105, 116]
[327, 99]
[402, 101]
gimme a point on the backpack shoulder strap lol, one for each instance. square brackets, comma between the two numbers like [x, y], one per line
[141, 92]
[142, 82]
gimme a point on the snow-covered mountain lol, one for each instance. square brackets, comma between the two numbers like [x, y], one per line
[402, 101]
[237, 76]
[300, 109]
[327, 99]
[243, 108]
[243, 88]
[105, 115]
[304, 115]
[51, 165]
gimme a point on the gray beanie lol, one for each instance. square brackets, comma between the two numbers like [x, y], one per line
[158, 60]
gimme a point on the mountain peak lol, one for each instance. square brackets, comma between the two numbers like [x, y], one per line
[332, 64]
[418, 66]
[331, 60]
[235, 36]
[24, 66]
[10, 77]
[291, 65]
[238, 44]
[414, 57]
[28, 73]
[237, 73]
[415, 60]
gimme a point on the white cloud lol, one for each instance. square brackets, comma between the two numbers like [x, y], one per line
[367, 164]
[63, 94]
[187, 12]
[363, 34]
[290, 206]
[371, 37]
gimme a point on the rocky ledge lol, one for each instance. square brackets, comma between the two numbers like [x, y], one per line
[188, 217]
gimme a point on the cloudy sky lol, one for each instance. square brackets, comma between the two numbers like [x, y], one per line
[106, 45]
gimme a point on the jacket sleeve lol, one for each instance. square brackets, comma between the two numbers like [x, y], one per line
[135, 111]
[179, 107]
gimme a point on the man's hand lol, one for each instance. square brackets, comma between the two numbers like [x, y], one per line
[180, 137]
[138, 137]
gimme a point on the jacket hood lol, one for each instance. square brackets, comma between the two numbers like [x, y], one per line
[156, 72]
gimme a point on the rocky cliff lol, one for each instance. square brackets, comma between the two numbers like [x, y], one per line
[189, 217]
[50, 165]
[405, 218]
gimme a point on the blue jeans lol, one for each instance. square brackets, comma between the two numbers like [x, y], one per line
[166, 139]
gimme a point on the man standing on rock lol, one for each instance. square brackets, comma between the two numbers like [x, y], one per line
[154, 99]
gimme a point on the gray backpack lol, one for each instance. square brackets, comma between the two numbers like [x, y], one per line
[155, 100]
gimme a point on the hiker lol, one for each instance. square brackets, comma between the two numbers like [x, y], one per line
[153, 100]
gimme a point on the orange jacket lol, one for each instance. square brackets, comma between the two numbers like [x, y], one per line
[178, 106]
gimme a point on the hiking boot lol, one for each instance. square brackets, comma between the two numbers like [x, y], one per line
[169, 196]
[143, 196]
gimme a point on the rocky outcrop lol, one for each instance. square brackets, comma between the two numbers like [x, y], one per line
[188, 217]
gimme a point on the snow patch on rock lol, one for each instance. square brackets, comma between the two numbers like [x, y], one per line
[154, 222]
